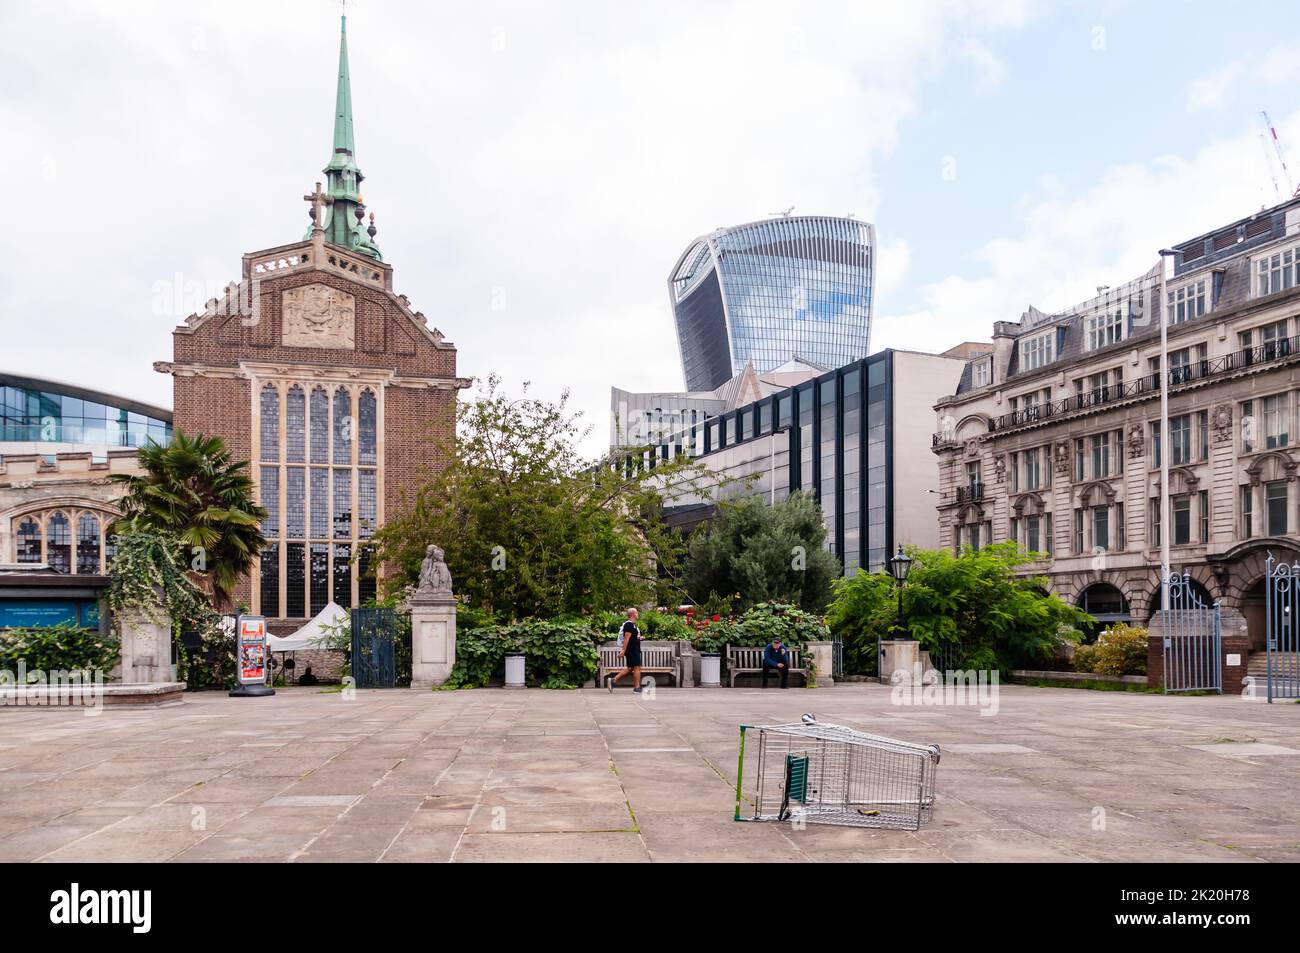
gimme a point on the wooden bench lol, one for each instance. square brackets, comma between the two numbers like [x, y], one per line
[657, 658]
[748, 660]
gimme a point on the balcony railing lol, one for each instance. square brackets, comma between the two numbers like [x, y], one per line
[1185, 374]
[971, 493]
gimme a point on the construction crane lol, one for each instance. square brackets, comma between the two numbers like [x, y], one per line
[1281, 159]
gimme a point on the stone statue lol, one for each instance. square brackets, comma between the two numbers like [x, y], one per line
[435, 577]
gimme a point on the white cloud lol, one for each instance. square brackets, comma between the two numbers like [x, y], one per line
[1067, 244]
[564, 155]
[1279, 66]
[992, 71]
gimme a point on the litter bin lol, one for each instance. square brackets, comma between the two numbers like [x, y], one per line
[710, 669]
[514, 670]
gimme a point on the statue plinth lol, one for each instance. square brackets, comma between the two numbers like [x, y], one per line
[433, 640]
[433, 623]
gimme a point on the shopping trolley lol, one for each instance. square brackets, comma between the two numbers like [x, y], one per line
[828, 774]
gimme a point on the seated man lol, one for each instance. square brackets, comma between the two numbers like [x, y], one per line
[307, 678]
[776, 659]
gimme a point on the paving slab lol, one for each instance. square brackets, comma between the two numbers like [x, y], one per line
[400, 777]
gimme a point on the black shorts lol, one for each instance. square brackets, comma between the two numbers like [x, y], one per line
[633, 657]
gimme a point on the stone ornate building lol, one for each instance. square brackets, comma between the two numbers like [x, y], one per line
[1054, 440]
[329, 382]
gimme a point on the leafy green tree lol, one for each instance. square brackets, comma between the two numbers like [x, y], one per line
[758, 552]
[977, 607]
[192, 490]
[530, 528]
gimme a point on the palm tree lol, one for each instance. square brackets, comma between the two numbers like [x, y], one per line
[192, 490]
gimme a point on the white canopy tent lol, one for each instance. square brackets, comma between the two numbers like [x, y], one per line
[311, 635]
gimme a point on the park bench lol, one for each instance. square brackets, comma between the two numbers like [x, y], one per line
[657, 658]
[748, 660]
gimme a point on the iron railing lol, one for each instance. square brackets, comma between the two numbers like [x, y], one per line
[971, 493]
[1146, 386]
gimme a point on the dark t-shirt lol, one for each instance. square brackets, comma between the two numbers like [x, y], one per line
[630, 628]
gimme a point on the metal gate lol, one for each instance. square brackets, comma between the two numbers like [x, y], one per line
[837, 657]
[373, 632]
[1280, 607]
[1193, 641]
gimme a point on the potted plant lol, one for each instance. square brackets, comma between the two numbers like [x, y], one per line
[711, 636]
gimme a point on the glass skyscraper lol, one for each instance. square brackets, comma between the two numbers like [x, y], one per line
[770, 291]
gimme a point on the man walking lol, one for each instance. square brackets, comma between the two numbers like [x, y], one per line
[629, 638]
[776, 659]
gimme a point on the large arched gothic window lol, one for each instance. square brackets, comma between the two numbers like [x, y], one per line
[58, 546]
[29, 541]
[270, 430]
[88, 545]
[295, 425]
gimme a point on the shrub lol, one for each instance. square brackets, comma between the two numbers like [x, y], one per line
[1120, 650]
[769, 620]
[560, 654]
[57, 648]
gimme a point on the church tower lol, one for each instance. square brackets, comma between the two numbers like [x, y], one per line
[338, 393]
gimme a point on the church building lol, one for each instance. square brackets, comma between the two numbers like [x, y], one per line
[328, 382]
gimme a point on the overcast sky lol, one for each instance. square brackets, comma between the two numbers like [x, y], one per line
[536, 168]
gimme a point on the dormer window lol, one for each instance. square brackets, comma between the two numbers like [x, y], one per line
[1277, 271]
[1105, 329]
[1038, 351]
[981, 373]
[1186, 302]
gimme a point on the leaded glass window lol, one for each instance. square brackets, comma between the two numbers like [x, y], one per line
[320, 503]
[342, 503]
[271, 580]
[87, 544]
[28, 543]
[343, 575]
[295, 579]
[318, 571]
[295, 504]
[271, 501]
[320, 426]
[58, 548]
[270, 430]
[366, 503]
[366, 439]
[343, 426]
[295, 425]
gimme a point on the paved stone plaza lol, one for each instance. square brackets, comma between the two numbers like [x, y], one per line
[544, 775]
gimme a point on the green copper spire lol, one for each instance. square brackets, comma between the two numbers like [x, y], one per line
[344, 223]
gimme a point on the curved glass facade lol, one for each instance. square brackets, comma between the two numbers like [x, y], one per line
[771, 291]
[47, 412]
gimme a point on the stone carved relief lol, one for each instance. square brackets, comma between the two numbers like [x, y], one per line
[1136, 441]
[318, 316]
[1000, 469]
[1221, 421]
[1062, 458]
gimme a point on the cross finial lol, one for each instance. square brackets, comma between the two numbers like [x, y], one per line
[317, 199]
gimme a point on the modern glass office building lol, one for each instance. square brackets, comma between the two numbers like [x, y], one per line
[767, 292]
[853, 438]
[47, 412]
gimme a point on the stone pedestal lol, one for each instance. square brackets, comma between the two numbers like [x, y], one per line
[899, 654]
[146, 653]
[823, 658]
[433, 641]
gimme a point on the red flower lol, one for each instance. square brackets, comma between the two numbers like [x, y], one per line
[717, 618]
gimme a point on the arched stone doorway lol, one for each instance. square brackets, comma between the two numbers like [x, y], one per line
[1106, 604]
[1197, 589]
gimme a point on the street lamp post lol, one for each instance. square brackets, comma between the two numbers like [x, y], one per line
[899, 567]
